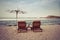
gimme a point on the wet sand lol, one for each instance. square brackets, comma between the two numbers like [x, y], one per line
[50, 32]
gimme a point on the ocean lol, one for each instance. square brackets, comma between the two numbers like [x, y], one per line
[44, 21]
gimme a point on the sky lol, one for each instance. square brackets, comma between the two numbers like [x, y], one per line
[33, 8]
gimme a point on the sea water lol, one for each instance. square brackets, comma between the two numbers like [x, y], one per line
[44, 21]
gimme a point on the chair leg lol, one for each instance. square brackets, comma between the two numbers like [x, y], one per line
[18, 30]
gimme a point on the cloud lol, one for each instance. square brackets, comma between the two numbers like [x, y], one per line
[32, 7]
[50, 3]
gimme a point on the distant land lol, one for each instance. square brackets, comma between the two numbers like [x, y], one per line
[51, 16]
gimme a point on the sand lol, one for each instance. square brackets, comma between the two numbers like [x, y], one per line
[50, 32]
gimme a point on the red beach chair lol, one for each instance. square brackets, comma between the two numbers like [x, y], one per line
[22, 26]
[36, 26]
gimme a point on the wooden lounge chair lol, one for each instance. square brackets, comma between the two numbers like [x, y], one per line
[22, 26]
[36, 26]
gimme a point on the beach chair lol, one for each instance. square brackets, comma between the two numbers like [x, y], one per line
[36, 26]
[22, 26]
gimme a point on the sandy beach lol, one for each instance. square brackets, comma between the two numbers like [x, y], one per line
[50, 32]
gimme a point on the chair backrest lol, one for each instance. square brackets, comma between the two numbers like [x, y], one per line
[21, 24]
[36, 24]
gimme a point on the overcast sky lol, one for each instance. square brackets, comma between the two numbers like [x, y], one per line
[33, 8]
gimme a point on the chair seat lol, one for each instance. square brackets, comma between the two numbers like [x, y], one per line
[36, 26]
[37, 30]
[22, 26]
